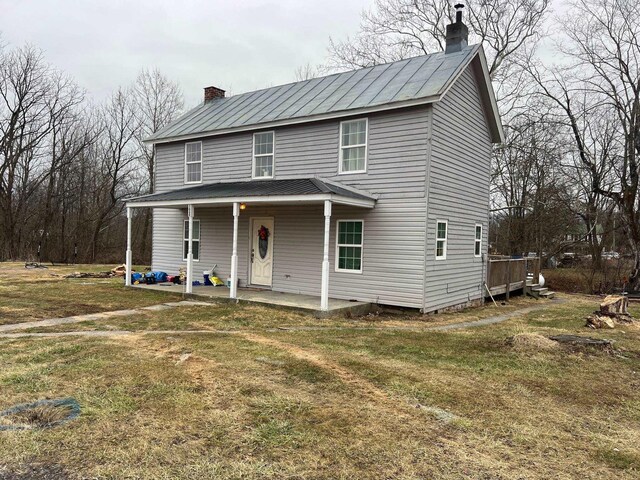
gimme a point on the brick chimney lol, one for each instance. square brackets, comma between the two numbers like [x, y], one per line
[457, 33]
[212, 92]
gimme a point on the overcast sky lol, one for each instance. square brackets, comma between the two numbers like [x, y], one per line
[239, 45]
[236, 45]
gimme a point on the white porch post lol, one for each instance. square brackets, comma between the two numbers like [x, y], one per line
[324, 295]
[190, 212]
[233, 291]
[127, 269]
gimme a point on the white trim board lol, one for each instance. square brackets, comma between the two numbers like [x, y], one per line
[281, 199]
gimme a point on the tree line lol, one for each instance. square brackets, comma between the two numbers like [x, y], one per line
[67, 163]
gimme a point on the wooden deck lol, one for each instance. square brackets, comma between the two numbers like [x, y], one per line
[506, 274]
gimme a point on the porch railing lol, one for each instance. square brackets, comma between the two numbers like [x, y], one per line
[506, 274]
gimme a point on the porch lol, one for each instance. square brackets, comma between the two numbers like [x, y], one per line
[301, 302]
[245, 225]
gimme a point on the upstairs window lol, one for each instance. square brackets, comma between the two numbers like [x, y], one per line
[441, 240]
[349, 246]
[263, 155]
[193, 162]
[353, 146]
[478, 241]
[195, 240]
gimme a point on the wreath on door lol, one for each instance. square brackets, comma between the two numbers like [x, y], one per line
[263, 241]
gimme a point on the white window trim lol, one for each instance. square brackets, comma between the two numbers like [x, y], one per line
[365, 145]
[445, 239]
[186, 239]
[477, 240]
[253, 157]
[186, 182]
[338, 245]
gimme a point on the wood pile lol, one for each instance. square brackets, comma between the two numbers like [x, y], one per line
[613, 309]
[120, 270]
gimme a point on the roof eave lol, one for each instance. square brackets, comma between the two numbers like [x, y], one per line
[495, 122]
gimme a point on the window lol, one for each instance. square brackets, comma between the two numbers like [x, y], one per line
[263, 155]
[349, 246]
[195, 240]
[193, 162]
[353, 146]
[441, 240]
[478, 242]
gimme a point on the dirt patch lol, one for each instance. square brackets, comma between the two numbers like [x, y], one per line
[532, 342]
[318, 360]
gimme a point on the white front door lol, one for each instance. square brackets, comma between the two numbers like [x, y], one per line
[261, 251]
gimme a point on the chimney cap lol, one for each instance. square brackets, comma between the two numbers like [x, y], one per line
[458, 7]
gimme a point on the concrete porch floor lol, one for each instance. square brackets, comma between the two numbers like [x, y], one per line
[307, 303]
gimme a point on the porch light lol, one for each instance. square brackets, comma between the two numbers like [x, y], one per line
[243, 206]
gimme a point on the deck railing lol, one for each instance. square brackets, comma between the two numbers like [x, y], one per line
[506, 274]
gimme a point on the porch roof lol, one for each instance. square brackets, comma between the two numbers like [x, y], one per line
[299, 190]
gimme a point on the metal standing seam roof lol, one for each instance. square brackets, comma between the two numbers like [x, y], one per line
[254, 188]
[425, 77]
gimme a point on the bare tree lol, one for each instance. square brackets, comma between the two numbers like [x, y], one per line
[528, 183]
[603, 82]
[397, 29]
[117, 175]
[307, 72]
[33, 99]
[158, 102]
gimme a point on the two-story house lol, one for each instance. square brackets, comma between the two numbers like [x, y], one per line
[371, 185]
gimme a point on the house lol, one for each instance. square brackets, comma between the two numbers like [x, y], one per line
[368, 185]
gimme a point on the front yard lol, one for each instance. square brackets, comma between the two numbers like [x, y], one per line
[270, 393]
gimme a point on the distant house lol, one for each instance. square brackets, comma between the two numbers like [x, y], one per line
[579, 236]
[368, 185]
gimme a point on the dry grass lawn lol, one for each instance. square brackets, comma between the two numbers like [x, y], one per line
[27, 295]
[377, 398]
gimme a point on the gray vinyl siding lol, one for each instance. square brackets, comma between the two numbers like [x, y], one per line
[393, 257]
[460, 167]
[298, 242]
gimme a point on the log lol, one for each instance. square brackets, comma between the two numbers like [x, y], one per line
[89, 275]
[600, 321]
[614, 305]
[579, 341]
[119, 270]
